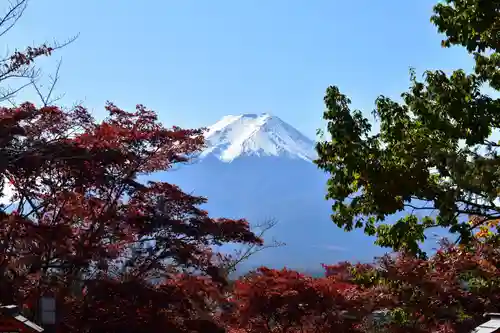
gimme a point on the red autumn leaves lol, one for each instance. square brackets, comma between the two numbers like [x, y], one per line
[285, 300]
[450, 292]
[127, 256]
[80, 220]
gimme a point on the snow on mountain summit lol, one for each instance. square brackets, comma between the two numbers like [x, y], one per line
[256, 135]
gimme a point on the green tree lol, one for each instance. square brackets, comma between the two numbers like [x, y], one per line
[433, 147]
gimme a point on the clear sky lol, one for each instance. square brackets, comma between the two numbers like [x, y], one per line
[196, 61]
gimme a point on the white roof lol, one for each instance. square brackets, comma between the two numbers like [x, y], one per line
[490, 326]
[28, 323]
[13, 310]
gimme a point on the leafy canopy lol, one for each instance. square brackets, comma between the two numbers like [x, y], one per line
[448, 292]
[81, 227]
[433, 147]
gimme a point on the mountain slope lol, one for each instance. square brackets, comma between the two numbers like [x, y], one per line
[289, 190]
[259, 167]
[256, 135]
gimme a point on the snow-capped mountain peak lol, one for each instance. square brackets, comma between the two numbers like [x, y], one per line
[256, 135]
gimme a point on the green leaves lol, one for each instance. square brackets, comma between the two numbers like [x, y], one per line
[405, 234]
[433, 150]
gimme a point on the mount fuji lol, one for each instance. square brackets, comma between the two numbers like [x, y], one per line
[256, 135]
[259, 167]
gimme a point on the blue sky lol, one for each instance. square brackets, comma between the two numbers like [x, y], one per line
[196, 61]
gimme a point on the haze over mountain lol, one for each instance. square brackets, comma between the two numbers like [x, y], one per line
[259, 167]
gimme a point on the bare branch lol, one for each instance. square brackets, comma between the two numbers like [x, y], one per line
[19, 65]
[47, 99]
[13, 14]
[245, 253]
[57, 46]
[7, 94]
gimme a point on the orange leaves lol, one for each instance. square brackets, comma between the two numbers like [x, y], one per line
[486, 227]
[484, 232]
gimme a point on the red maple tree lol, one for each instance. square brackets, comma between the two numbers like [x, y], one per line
[448, 292]
[82, 227]
[271, 300]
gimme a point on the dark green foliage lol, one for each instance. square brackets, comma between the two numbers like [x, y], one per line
[433, 147]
